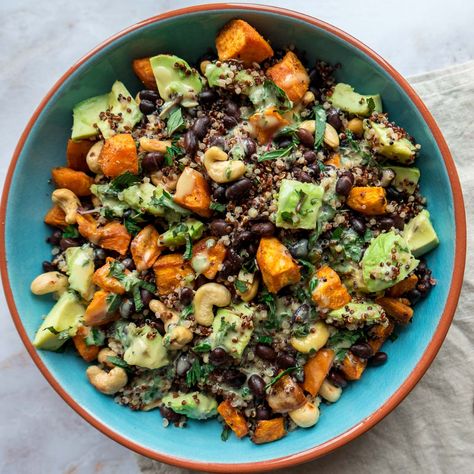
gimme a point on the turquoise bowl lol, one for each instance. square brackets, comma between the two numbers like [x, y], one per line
[189, 33]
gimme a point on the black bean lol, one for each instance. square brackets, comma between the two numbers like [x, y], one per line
[201, 126]
[65, 243]
[239, 190]
[265, 352]
[413, 295]
[234, 378]
[99, 254]
[207, 96]
[302, 176]
[146, 296]
[220, 227]
[309, 156]
[242, 237]
[250, 147]
[299, 249]
[301, 314]
[332, 117]
[55, 237]
[252, 248]
[306, 138]
[160, 327]
[422, 267]
[393, 194]
[152, 96]
[219, 142]
[48, 266]
[231, 264]
[398, 222]
[190, 143]
[231, 108]
[229, 121]
[263, 413]
[219, 194]
[358, 225]
[264, 229]
[285, 143]
[256, 385]
[362, 350]
[186, 296]
[147, 107]
[314, 170]
[126, 308]
[314, 77]
[336, 378]
[343, 185]
[218, 356]
[284, 361]
[169, 414]
[386, 223]
[152, 161]
[128, 263]
[199, 281]
[378, 359]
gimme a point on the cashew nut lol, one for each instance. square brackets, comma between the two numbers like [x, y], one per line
[219, 168]
[167, 315]
[308, 125]
[177, 337]
[317, 338]
[331, 138]
[68, 202]
[355, 125]
[92, 157]
[152, 144]
[308, 98]
[103, 355]
[107, 382]
[305, 416]
[252, 282]
[168, 183]
[49, 282]
[330, 392]
[207, 296]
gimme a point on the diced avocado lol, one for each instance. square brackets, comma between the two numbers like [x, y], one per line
[420, 235]
[176, 234]
[356, 315]
[174, 76]
[145, 348]
[353, 278]
[405, 179]
[228, 330]
[217, 76]
[401, 149]
[194, 405]
[345, 98]
[387, 261]
[109, 200]
[80, 268]
[86, 115]
[61, 323]
[298, 204]
[120, 103]
[268, 95]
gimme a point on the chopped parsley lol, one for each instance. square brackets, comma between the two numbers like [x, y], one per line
[371, 105]
[202, 347]
[124, 181]
[188, 253]
[342, 341]
[187, 311]
[118, 362]
[279, 376]
[96, 337]
[320, 126]
[113, 302]
[225, 433]
[175, 121]
[274, 154]
[265, 339]
[217, 206]
[198, 372]
[240, 286]
[70, 232]
[171, 153]
[62, 335]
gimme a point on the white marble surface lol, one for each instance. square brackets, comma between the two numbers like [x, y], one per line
[38, 42]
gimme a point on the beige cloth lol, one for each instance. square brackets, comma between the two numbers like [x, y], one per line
[432, 431]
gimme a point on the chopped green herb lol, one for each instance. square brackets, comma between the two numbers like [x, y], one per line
[188, 253]
[217, 206]
[187, 311]
[300, 331]
[96, 337]
[320, 126]
[70, 232]
[308, 266]
[265, 339]
[282, 102]
[202, 347]
[113, 302]
[287, 216]
[62, 335]
[198, 372]
[240, 286]
[171, 153]
[225, 433]
[313, 283]
[274, 154]
[279, 376]
[175, 121]
[341, 342]
[118, 362]
[371, 105]
[131, 226]
[124, 181]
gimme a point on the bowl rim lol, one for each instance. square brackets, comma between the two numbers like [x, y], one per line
[423, 363]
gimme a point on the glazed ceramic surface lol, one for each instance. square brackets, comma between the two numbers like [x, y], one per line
[27, 197]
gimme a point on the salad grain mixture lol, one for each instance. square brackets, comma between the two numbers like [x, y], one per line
[238, 240]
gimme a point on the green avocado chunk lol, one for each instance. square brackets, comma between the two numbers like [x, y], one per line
[218, 76]
[174, 77]
[298, 204]
[61, 322]
[86, 114]
[401, 149]
[109, 199]
[387, 261]
[405, 179]
[194, 405]
[357, 315]
[268, 95]
[345, 98]
[231, 329]
[175, 236]
[420, 235]
[145, 347]
[80, 268]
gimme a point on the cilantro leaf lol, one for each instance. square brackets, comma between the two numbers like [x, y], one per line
[187, 311]
[217, 206]
[279, 376]
[96, 337]
[320, 126]
[371, 105]
[265, 339]
[70, 232]
[202, 347]
[240, 286]
[175, 121]
[113, 302]
[118, 362]
[188, 252]
[171, 153]
[273, 155]
[124, 181]
[225, 433]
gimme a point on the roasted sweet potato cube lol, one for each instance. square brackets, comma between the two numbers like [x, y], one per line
[211, 252]
[233, 418]
[192, 192]
[76, 181]
[395, 308]
[142, 68]
[316, 370]
[106, 282]
[330, 292]
[404, 286]
[291, 76]
[379, 334]
[55, 217]
[266, 124]
[76, 153]
[114, 236]
[171, 272]
[97, 313]
[334, 160]
[88, 228]
[267, 431]
[145, 249]
[88, 353]
[285, 396]
[368, 200]
[119, 155]
[276, 264]
[353, 366]
[239, 40]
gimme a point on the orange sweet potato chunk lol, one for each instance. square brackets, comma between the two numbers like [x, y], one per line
[233, 418]
[192, 192]
[97, 312]
[334, 160]
[214, 252]
[55, 217]
[142, 68]
[330, 292]
[404, 286]
[395, 308]
[88, 228]
[88, 353]
[316, 370]
[291, 76]
[114, 236]
[145, 249]
[119, 155]
[103, 280]
[276, 264]
[239, 40]
[76, 153]
[76, 181]
[265, 124]
[170, 273]
[269, 430]
[368, 200]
